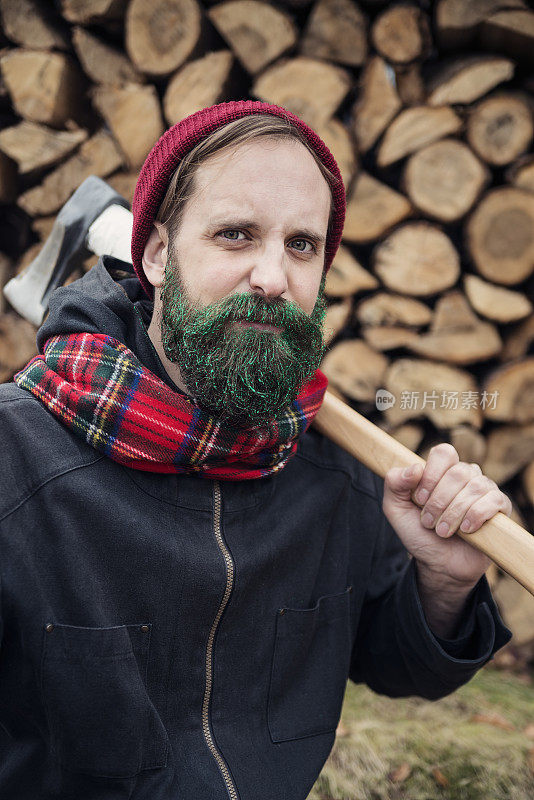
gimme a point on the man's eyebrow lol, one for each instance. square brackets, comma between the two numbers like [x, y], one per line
[229, 222]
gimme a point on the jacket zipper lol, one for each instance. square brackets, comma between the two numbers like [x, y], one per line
[206, 727]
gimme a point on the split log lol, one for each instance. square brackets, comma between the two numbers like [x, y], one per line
[99, 156]
[124, 183]
[310, 89]
[401, 34]
[469, 443]
[392, 309]
[122, 108]
[199, 84]
[513, 387]
[338, 140]
[494, 302]
[31, 24]
[162, 34]
[439, 392]
[499, 236]
[510, 32]
[521, 174]
[257, 32]
[410, 84]
[377, 104]
[17, 345]
[445, 179]
[458, 21]
[35, 147]
[409, 434]
[337, 316]
[456, 334]
[510, 448]
[346, 276]
[96, 11]
[388, 337]
[417, 259]
[468, 78]
[355, 368]
[500, 128]
[414, 128]
[336, 31]
[8, 180]
[101, 62]
[372, 209]
[518, 341]
[44, 87]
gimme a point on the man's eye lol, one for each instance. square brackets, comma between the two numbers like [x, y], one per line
[301, 245]
[231, 234]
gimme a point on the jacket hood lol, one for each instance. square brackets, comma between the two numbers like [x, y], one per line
[101, 303]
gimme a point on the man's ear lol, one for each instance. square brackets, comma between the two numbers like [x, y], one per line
[155, 254]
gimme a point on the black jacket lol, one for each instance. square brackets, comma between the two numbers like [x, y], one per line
[171, 637]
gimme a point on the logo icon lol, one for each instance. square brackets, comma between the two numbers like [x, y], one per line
[384, 399]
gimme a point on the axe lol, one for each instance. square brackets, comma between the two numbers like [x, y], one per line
[96, 219]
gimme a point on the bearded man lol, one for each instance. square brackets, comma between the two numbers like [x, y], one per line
[189, 574]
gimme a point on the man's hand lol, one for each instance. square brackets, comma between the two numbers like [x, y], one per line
[455, 495]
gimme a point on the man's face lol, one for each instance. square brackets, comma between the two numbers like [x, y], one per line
[241, 306]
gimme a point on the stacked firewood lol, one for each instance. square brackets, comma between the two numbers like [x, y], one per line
[428, 110]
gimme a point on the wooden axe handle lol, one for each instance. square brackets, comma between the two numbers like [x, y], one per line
[500, 538]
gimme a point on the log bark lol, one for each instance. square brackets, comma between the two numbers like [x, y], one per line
[198, 84]
[355, 369]
[515, 386]
[388, 337]
[384, 308]
[34, 147]
[44, 87]
[468, 78]
[421, 387]
[500, 129]
[445, 179]
[162, 34]
[311, 89]
[336, 31]
[372, 209]
[457, 335]
[338, 140]
[31, 24]
[346, 276]
[495, 302]
[518, 341]
[417, 259]
[414, 128]
[410, 84]
[256, 32]
[377, 104]
[122, 108]
[499, 236]
[102, 63]
[99, 156]
[401, 34]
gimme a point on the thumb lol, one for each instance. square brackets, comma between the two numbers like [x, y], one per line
[399, 483]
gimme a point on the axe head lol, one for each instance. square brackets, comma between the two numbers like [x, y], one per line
[29, 291]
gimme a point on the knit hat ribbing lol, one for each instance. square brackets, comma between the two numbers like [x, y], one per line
[165, 156]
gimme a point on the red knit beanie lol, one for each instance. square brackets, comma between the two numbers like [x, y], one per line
[165, 156]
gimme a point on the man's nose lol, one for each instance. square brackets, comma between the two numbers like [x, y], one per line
[268, 275]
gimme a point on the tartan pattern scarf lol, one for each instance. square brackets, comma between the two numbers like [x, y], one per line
[98, 388]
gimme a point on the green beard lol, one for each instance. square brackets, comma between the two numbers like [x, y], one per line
[238, 373]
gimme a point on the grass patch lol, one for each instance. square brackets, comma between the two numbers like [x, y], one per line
[443, 752]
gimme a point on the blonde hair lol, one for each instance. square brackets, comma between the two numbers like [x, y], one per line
[239, 131]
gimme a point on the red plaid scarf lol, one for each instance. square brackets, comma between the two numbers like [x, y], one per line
[102, 392]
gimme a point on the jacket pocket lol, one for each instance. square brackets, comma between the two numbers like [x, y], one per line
[310, 668]
[101, 720]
